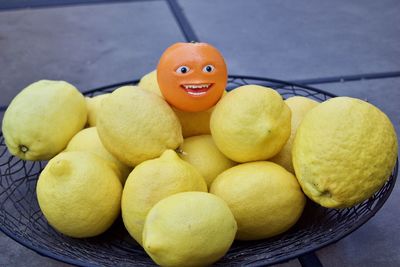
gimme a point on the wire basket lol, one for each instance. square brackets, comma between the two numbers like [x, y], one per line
[22, 220]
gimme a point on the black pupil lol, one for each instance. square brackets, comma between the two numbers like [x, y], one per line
[208, 68]
[183, 69]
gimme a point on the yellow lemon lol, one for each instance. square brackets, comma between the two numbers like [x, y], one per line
[189, 229]
[149, 83]
[193, 123]
[250, 123]
[136, 125]
[299, 106]
[42, 118]
[152, 181]
[88, 140]
[265, 199]
[202, 153]
[93, 107]
[79, 194]
[343, 152]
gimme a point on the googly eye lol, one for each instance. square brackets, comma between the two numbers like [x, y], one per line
[209, 68]
[182, 69]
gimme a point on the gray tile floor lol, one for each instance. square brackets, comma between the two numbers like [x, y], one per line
[88, 46]
[95, 45]
[296, 40]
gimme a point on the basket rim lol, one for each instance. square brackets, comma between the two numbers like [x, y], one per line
[261, 262]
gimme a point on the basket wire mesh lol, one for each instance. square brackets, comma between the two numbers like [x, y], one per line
[22, 220]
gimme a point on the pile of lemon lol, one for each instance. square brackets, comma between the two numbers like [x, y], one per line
[188, 184]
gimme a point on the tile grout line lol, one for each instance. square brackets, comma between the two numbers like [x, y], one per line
[182, 21]
[42, 4]
[350, 78]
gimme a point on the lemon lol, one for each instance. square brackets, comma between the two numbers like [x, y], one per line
[42, 118]
[149, 83]
[152, 181]
[299, 106]
[88, 140]
[250, 123]
[189, 229]
[193, 123]
[93, 107]
[343, 152]
[136, 125]
[202, 153]
[265, 199]
[79, 194]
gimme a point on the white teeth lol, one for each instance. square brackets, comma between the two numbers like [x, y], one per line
[196, 93]
[196, 86]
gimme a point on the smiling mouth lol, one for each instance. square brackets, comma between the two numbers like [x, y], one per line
[197, 89]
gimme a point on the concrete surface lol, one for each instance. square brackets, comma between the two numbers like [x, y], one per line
[95, 45]
[87, 46]
[290, 39]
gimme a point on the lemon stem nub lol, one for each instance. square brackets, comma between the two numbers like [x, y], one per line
[23, 148]
[180, 151]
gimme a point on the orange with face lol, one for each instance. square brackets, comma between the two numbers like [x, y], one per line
[192, 76]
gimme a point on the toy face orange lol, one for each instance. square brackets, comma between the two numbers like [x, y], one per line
[192, 76]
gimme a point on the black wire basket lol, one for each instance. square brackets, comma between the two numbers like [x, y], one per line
[22, 220]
